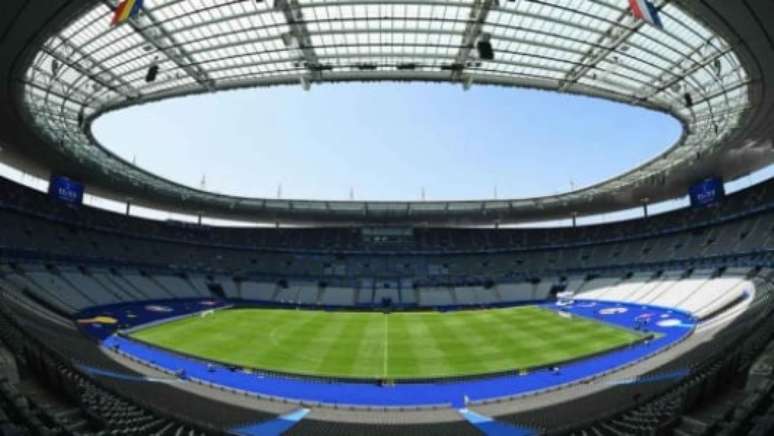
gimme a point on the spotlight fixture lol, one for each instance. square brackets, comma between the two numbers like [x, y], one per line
[153, 71]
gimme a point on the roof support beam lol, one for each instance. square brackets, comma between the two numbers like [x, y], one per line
[368, 34]
[58, 88]
[479, 11]
[684, 74]
[294, 17]
[616, 36]
[114, 80]
[165, 42]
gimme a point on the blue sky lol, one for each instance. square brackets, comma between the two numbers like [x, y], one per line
[387, 141]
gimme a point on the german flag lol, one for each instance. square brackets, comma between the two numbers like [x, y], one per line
[125, 10]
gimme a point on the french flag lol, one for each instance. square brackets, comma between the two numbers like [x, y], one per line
[644, 10]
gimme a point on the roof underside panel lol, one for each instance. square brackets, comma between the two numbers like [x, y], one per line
[593, 47]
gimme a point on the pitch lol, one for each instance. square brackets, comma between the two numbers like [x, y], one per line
[388, 346]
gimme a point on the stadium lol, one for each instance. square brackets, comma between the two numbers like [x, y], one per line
[513, 316]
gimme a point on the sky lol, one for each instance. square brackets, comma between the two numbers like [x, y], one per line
[387, 141]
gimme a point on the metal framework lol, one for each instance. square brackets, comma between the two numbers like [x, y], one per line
[590, 47]
[154, 33]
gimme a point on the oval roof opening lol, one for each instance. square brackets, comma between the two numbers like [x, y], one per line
[387, 141]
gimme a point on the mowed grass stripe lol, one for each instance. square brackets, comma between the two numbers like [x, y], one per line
[399, 345]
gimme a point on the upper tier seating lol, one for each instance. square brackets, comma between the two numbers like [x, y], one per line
[146, 252]
[16, 200]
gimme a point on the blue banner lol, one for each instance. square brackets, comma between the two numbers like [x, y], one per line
[66, 190]
[706, 192]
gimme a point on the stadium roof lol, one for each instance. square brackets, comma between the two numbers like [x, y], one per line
[709, 67]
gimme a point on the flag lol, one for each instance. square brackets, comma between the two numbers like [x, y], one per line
[125, 10]
[644, 10]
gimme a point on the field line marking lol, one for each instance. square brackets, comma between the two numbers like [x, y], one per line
[386, 344]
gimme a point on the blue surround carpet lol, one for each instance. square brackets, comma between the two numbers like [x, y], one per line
[669, 325]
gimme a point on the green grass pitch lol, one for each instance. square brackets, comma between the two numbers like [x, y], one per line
[395, 346]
